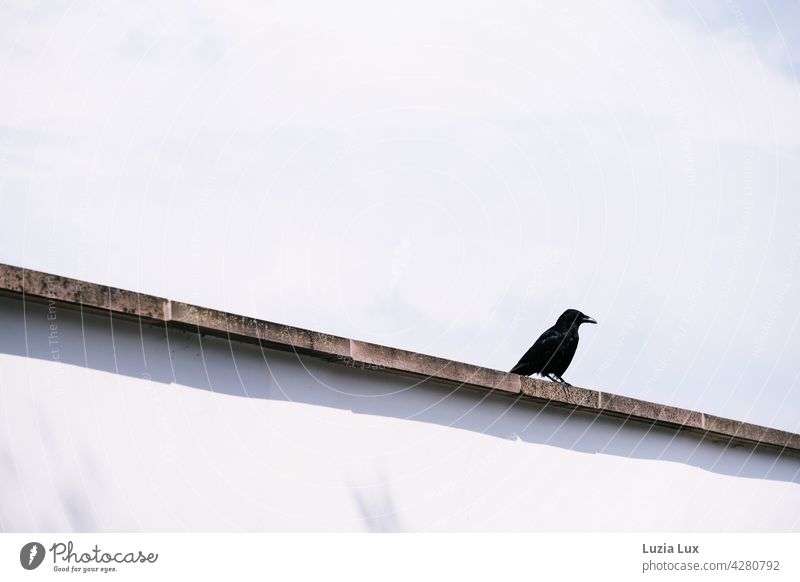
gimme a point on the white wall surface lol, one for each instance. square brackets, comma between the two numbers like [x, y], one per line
[121, 427]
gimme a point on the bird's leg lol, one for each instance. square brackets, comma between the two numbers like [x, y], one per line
[551, 377]
[560, 379]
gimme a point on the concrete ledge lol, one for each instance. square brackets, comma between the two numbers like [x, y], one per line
[276, 335]
[737, 430]
[46, 286]
[560, 394]
[382, 357]
[38, 286]
[625, 406]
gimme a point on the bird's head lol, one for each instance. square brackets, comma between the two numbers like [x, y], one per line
[572, 318]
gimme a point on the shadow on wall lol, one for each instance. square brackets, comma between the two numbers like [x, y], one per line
[248, 371]
[376, 508]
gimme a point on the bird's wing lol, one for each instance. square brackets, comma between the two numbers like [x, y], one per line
[560, 361]
[539, 353]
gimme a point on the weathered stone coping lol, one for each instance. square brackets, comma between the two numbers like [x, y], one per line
[35, 285]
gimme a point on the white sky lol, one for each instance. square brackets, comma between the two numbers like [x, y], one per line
[445, 177]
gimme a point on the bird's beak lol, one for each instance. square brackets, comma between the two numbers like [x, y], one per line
[587, 319]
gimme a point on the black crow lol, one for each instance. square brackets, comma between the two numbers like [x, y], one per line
[552, 353]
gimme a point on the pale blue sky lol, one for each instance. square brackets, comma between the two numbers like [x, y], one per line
[445, 177]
